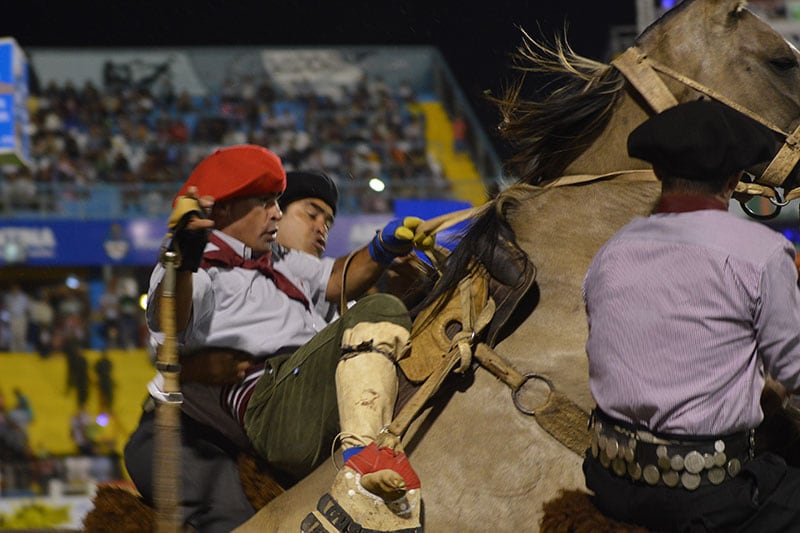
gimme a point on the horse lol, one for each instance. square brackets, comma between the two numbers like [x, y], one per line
[484, 463]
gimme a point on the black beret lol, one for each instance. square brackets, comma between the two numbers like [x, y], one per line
[301, 184]
[702, 140]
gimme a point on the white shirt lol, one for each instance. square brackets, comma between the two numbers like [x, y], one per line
[243, 309]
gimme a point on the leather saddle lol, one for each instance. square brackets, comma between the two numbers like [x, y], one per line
[500, 271]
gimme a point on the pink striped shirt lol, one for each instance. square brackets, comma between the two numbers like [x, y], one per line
[687, 311]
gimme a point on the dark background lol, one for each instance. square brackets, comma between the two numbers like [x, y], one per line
[476, 39]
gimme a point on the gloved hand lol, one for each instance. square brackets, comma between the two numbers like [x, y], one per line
[398, 238]
[190, 243]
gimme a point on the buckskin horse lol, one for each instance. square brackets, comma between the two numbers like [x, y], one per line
[489, 459]
[485, 464]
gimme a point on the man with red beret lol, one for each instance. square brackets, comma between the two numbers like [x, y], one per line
[260, 364]
[689, 310]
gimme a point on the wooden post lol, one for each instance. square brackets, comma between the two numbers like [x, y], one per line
[167, 459]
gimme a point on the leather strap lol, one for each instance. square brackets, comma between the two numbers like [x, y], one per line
[635, 66]
[460, 354]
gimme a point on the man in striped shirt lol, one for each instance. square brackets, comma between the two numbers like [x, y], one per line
[689, 310]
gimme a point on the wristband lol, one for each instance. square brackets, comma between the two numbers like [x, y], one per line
[378, 251]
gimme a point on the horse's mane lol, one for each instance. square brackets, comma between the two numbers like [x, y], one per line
[546, 134]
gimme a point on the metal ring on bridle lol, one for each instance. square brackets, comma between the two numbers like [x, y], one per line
[528, 377]
[776, 201]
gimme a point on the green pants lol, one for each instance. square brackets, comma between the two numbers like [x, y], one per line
[292, 417]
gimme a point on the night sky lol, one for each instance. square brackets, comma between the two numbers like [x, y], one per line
[475, 38]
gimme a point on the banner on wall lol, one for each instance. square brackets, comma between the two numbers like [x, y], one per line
[136, 242]
[132, 242]
[80, 243]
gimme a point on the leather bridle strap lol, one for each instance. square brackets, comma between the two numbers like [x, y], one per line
[784, 162]
[637, 69]
[640, 71]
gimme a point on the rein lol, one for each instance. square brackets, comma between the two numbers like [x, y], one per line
[640, 71]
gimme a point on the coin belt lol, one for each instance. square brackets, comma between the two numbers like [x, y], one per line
[642, 457]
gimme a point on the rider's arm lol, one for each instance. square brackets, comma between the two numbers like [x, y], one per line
[396, 239]
[190, 226]
[777, 319]
[362, 273]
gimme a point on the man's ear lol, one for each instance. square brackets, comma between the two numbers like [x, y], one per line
[221, 215]
[733, 181]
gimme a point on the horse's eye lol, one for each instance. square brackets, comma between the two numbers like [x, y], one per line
[784, 63]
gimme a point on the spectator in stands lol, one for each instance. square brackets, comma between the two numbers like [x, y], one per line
[17, 305]
[129, 320]
[22, 412]
[14, 442]
[77, 371]
[82, 429]
[71, 312]
[109, 312]
[5, 334]
[105, 383]
[42, 318]
[19, 191]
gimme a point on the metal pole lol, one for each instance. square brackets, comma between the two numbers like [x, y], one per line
[167, 460]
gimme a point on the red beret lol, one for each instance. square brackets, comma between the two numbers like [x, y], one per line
[237, 172]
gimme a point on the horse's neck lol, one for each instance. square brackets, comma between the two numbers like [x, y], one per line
[609, 152]
[579, 220]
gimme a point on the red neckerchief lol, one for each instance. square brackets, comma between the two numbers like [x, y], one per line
[683, 203]
[225, 256]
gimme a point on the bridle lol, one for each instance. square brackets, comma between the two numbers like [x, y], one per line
[642, 72]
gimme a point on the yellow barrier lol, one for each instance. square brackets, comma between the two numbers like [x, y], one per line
[458, 168]
[44, 382]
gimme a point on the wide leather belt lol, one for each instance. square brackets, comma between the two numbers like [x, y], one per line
[646, 458]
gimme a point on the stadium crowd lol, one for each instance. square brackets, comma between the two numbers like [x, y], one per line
[143, 136]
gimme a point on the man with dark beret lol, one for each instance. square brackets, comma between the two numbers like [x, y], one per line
[260, 363]
[309, 206]
[689, 310]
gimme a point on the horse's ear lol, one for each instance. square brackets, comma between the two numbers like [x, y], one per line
[725, 12]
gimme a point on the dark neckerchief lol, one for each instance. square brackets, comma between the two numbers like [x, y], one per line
[683, 203]
[226, 257]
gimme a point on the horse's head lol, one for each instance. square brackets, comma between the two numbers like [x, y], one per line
[719, 49]
[578, 126]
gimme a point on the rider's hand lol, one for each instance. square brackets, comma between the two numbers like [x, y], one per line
[397, 239]
[189, 226]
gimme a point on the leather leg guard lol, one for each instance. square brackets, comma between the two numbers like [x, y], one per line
[366, 380]
[376, 489]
